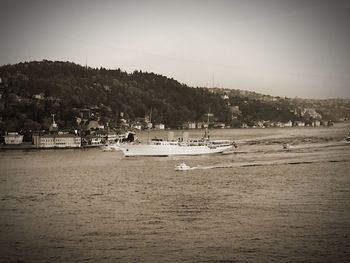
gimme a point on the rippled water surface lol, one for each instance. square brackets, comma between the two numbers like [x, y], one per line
[259, 203]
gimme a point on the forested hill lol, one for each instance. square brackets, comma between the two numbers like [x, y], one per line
[67, 88]
[30, 92]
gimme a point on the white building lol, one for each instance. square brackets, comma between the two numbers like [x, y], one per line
[95, 141]
[92, 140]
[13, 138]
[57, 141]
[39, 96]
[316, 123]
[191, 125]
[219, 125]
[288, 124]
[279, 124]
[111, 137]
[160, 126]
[299, 124]
[199, 125]
[136, 126]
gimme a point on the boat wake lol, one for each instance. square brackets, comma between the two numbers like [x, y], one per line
[263, 163]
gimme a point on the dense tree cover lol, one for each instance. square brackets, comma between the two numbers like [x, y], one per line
[30, 92]
[256, 106]
[66, 88]
[253, 110]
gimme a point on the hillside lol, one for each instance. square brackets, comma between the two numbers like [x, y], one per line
[30, 92]
[267, 107]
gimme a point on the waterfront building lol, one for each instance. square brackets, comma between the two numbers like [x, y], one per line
[92, 140]
[288, 124]
[160, 126]
[299, 124]
[13, 138]
[199, 125]
[56, 141]
[316, 123]
[279, 124]
[111, 137]
[106, 136]
[219, 125]
[189, 125]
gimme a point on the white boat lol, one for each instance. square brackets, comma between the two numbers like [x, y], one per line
[182, 167]
[108, 148]
[159, 147]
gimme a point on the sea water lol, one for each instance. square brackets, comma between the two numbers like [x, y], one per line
[258, 203]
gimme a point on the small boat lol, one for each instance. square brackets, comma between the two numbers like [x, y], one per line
[347, 139]
[182, 167]
[286, 146]
[108, 148]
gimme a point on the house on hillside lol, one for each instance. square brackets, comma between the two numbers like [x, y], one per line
[92, 125]
[136, 126]
[40, 96]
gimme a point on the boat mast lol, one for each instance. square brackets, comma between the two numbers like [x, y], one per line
[149, 126]
[207, 128]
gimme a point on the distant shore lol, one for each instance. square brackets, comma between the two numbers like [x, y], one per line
[30, 146]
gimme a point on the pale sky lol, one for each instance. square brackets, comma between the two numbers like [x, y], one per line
[276, 47]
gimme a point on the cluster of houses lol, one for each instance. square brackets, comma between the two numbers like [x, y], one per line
[61, 140]
[260, 124]
[202, 125]
[101, 135]
[57, 139]
[39, 140]
[288, 124]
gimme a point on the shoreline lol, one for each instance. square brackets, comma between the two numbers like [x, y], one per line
[27, 146]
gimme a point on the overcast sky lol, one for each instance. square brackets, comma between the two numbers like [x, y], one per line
[277, 47]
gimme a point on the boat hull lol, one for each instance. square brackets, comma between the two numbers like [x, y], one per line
[168, 150]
